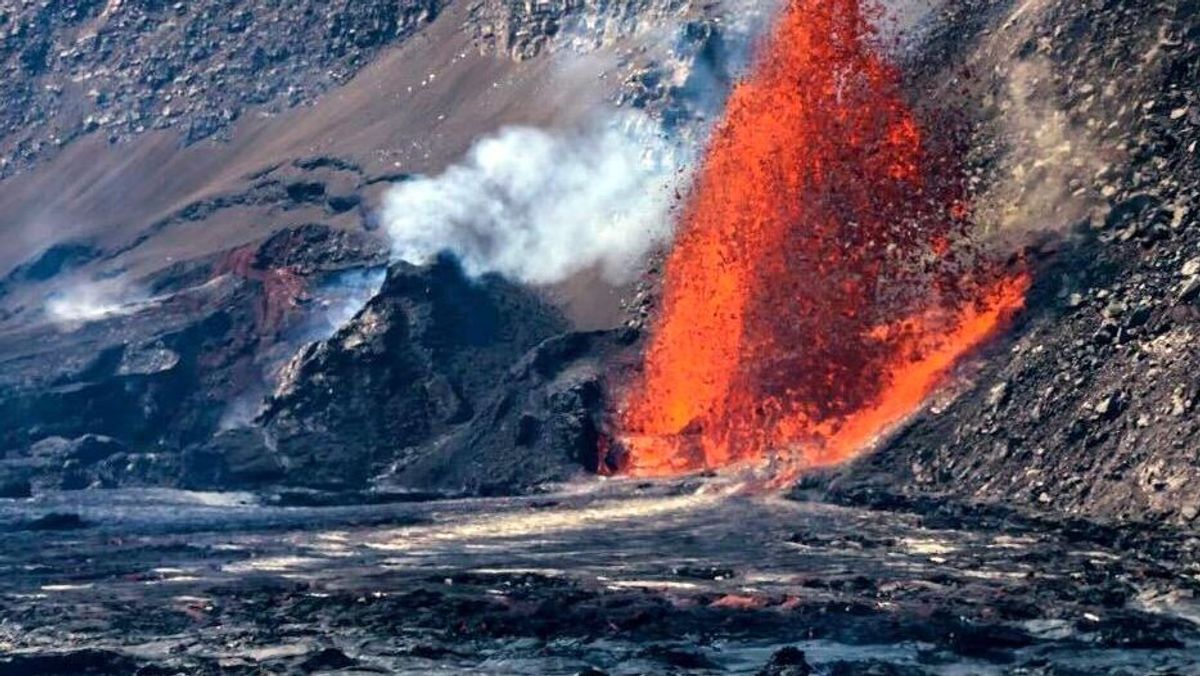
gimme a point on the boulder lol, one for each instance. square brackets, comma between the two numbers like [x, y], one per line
[90, 449]
[789, 661]
[239, 458]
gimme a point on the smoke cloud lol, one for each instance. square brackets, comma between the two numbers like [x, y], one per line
[1045, 164]
[538, 206]
[342, 296]
[91, 301]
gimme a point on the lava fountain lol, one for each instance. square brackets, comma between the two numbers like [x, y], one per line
[824, 280]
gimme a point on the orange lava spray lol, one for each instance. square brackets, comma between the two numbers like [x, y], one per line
[824, 281]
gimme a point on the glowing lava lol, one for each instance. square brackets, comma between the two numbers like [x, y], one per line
[823, 282]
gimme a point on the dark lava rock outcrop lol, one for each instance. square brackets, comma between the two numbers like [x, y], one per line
[112, 399]
[50, 263]
[231, 459]
[542, 423]
[234, 374]
[442, 382]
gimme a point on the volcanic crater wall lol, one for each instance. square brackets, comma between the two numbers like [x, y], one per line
[147, 308]
[1088, 409]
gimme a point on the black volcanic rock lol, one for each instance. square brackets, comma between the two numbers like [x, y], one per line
[543, 422]
[112, 400]
[238, 458]
[71, 662]
[329, 659]
[14, 487]
[92, 448]
[51, 262]
[314, 247]
[789, 661]
[418, 360]
[57, 521]
[873, 668]
[140, 378]
[442, 383]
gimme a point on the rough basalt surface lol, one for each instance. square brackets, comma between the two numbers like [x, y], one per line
[544, 422]
[624, 580]
[155, 376]
[422, 357]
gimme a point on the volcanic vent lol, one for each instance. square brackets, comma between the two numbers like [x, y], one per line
[827, 274]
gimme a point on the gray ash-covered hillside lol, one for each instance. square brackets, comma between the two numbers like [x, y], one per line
[1089, 407]
[141, 131]
[116, 69]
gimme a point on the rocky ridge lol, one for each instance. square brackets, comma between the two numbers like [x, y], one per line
[419, 360]
[160, 374]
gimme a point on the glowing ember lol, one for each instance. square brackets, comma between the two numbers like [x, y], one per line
[823, 283]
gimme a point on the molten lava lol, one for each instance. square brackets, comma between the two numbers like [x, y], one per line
[824, 281]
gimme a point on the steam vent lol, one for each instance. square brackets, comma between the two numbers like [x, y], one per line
[778, 338]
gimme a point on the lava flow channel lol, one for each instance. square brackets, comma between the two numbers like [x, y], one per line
[824, 281]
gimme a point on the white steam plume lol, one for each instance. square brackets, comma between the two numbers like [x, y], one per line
[538, 207]
[91, 301]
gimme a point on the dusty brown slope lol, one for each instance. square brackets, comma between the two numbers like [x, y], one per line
[415, 109]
